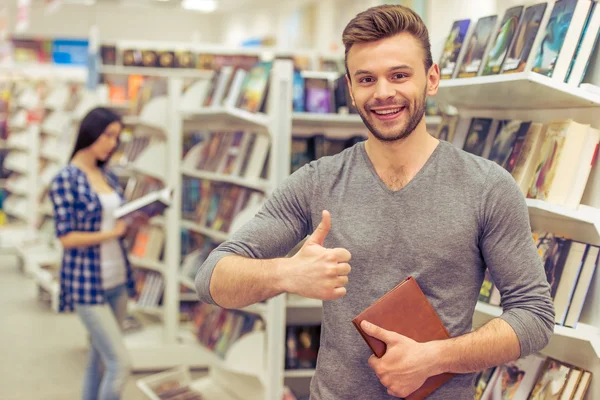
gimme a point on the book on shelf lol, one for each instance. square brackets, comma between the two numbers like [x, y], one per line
[561, 37]
[502, 41]
[151, 204]
[302, 344]
[569, 267]
[585, 47]
[218, 328]
[255, 86]
[477, 45]
[477, 135]
[452, 48]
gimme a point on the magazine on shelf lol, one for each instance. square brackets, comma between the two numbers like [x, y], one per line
[151, 204]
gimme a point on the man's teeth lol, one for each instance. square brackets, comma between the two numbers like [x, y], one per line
[385, 112]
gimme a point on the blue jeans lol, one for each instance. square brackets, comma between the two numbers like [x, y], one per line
[108, 364]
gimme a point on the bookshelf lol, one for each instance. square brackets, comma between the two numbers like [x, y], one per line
[524, 90]
[530, 96]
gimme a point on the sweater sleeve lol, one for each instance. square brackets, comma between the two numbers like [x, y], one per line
[282, 222]
[515, 266]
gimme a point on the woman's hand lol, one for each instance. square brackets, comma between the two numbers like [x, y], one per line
[120, 229]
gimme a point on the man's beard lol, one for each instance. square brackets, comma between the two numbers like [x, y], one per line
[416, 111]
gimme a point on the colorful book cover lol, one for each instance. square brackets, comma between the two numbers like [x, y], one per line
[298, 92]
[477, 135]
[503, 141]
[452, 47]
[551, 382]
[476, 46]
[553, 39]
[504, 37]
[548, 159]
[486, 288]
[517, 147]
[515, 379]
[594, 8]
[447, 128]
[519, 51]
[318, 96]
[254, 87]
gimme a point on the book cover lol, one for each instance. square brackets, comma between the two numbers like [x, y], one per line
[151, 205]
[546, 163]
[476, 47]
[514, 380]
[553, 39]
[518, 146]
[397, 311]
[254, 88]
[522, 171]
[452, 47]
[165, 59]
[184, 59]
[447, 128]
[318, 96]
[503, 40]
[486, 288]
[520, 49]
[477, 135]
[551, 381]
[298, 92]
[586, 47]
[504, 141]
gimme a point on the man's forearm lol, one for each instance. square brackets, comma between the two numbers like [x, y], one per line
[237, 282]
[493, 344]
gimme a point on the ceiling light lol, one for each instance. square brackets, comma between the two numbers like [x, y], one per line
[205, 6]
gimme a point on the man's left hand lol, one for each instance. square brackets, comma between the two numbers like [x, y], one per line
[406, 364]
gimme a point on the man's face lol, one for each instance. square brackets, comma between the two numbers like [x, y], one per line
[389, 85]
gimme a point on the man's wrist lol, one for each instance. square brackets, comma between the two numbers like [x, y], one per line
[437, 356]
[281, 268]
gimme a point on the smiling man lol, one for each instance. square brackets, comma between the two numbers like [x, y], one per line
[400, 204]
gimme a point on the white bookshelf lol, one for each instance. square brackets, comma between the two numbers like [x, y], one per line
[524, 90]
[530, 96]
[257, 184]
[230, 117]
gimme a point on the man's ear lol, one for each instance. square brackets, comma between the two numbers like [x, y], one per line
[433, 80]
[349, 82]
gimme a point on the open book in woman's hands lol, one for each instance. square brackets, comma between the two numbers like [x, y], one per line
[147, 206]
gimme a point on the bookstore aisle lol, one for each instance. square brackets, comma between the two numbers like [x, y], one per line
[51, 349]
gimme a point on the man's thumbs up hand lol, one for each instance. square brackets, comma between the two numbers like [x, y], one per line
[316, 272]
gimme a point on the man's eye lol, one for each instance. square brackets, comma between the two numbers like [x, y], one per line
[366, 80]
[400, 76]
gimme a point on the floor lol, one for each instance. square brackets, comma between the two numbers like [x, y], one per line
[42, 354]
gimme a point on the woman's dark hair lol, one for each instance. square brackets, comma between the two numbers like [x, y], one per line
[92, 127]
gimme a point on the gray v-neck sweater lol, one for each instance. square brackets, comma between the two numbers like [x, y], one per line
[459, 214]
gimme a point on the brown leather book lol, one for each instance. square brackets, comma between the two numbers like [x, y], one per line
[406, 310]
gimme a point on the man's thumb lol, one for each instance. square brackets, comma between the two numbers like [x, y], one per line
[319, 235]
[377, 332]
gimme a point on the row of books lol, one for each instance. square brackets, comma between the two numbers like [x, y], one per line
[302, 346]
[137, 186]
[149, 287]
[307, 149]
[553, 39]
[213, 204]
[173, 58]
[242, 154]
[550, 162]
[190, 241]
[148, 243]
[535, 377]
[570, 268]
[218, 328]
[130, 149]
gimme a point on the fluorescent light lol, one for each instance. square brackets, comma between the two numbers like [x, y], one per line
[206, 6]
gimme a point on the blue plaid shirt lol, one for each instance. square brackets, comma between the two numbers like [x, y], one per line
[78, 208]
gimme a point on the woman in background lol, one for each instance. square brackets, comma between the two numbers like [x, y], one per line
[95, 274]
